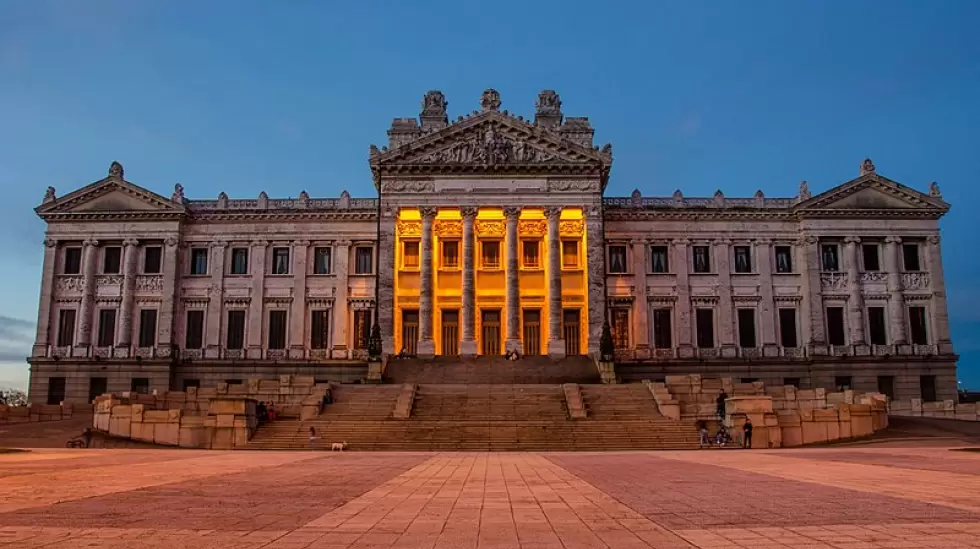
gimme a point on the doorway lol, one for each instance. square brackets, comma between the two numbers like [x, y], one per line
[532, 332]
[450, 332]
[410, 332]
[490, 322]
[572, 330]
[97, 386]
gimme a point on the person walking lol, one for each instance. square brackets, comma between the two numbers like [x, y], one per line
[747, 438]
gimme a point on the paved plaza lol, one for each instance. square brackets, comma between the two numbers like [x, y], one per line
[871, 496]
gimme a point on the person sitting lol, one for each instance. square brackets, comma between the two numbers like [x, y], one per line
[262, 412]
[704, 436]
[403, 353]
[722, 437]
[507, 354]
[273, 414]
[514, 357]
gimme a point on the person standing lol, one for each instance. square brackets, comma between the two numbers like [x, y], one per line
[720, 404]
[312, 437]
[747, 429]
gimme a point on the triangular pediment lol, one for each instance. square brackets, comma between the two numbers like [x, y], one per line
[872, 192]
[491, 139]
[112, 195]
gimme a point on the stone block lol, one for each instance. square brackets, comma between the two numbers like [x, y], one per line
[120, 426]
[192, 437]
[231, 406]
[222, 438]
[224, 420]
[844, 429]
[748, 404]
[142, 432]
[122, 410]
[308, 412]
[156, 416]
[806, 394]
[792, 435]
[100, 420]
[240, 436]
[814, 431]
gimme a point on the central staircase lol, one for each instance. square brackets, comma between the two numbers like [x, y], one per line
[485, 416]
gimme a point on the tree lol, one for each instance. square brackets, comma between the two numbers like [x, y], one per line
[13, 397]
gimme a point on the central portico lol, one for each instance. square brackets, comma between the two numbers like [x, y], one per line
[491, 234]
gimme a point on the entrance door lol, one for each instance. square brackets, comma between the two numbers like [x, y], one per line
[410, 332]
[532, 332]
[97, 386]
[570, 325]
[450, 332]
[927, 386]
[56, 390]
[490, 343]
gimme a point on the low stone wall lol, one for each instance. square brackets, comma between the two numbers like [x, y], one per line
[948, 409]
[38, 412]
[227, 423]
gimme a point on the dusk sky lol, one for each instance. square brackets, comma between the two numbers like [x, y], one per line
[243, 96]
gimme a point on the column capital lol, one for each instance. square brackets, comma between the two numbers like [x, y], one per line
[50, 242]
[852, 240]
[893, 240]
[301, 243]
[171, 241]
[552, 212]
[219, 244]
[130, 242]
[342, 243]
[428, 212]
[680, 242]
[90, 242]
[763, 241]
[807, 239]
[260, 243]
[512, 212]
[469, 212]
[722, 242]
[934, 239]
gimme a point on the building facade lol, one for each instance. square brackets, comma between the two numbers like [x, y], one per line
[492, 233]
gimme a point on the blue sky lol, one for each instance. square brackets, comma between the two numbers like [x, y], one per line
[244, 96]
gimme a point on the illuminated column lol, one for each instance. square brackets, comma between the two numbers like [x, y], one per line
[513, 341]
[467, 347]
[896, 302]
[44, 331]
[556, 340]
[426, 347]
[855, 306]
[341, 315]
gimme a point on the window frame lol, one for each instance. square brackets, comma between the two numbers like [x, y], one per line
[789, 256]
[864, 257]
[444, 246]
[707, 257]
[750, 313]
[906, 246]
[61, 337]
[281, 317]
[483, 254]
[925, 340]
[871, 328]
[796, 327]
[317, 252]
[319, 315]
[537, 253]
[565, 242]
[654, 249]
[659, 330]
[118, 260]
[100, 335]
[370, 258]
[711, 325]
[750, 266]
[286, 269]
[418, 254]
[140, 339]
[187, 329]
[146, 260]
[843, 324]
[228, 330]
[610, 248]
[77, 264]
[835, 248]
[194, 253]
[232, 271]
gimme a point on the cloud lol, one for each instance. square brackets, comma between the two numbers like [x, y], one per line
[16, 339]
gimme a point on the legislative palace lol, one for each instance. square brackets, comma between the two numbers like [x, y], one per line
[489, 234]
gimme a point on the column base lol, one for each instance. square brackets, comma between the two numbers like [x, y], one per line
[556, 349]
[514, 346]
[339, 352]
[426, 348]
[468, 348]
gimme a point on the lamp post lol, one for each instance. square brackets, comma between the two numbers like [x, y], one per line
[374, 340]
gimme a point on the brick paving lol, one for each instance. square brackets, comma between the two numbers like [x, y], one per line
[827, 498]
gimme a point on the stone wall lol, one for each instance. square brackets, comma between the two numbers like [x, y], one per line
[35, 412]
[949, 409]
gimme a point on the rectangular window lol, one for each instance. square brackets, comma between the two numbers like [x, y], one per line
[277, 329]
[280, 261]
[702, 259]
[617, 259]
[194, 335]
[743, 259]
[97, 386]
[450, 254]
[56, 390]
[73, 261]
[659, 262]
[784, 259]
[927, 388]
[793, 381]
[236, 331]
[843, 383]
[410, 259]
[662, 334]
[531, 257]
[239, 261]
[876, 326]
[199, 261]
[569, 254]
[917, 326]
[910, 257]
[111, 259]
[620, 328]
[835, 326]
[705, 319]
[746, 328]
[148, 328]
[886, 386]
[319, 326]
[787, 328]
[362, 329]
[869, 253]
[188, 383]
[322, 260]
[107, 328]
[140, 385]
[829, 258]
[491, 254]
[363, 260]
[152, 260]
[66, 328]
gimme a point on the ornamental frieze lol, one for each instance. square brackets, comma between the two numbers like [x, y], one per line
[109, 280]
[70, 284]
[449, 228]
[149, 283]
[407, 187]
[409, 228]
[571, 227]
[489, 147]
[490, 228]
[575, 185]
[532, 227]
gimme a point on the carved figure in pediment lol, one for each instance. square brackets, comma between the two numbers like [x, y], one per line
[178, 195]
[934, 190]
[490, 100]
[549, 103]
[50, 197]
[805, 191]
[497, 148]
[116, 170]
[867, 167]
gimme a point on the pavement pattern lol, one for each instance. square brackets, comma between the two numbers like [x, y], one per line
[814, 498]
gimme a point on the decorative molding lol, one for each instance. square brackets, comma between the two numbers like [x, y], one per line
[833, 281]
[490, 228]
[532, 227]
[874, 276]
[571, 227]
[109, 280]
[407, 186]
[149, 283]
[70, 283]
[573, 185]
[408, 228]
[915, 281]
[448, 227]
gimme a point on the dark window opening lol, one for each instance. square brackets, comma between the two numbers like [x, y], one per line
[236, 330]
[746, 328]
[363, 260]
[66, 328]
[148, 328]
[702, 259]
[280, 261]
[743, 259]
[792, 381]
[362, 329]
[194, 337]
[876, 326]
[107, 328]
[56, 390]
[917, 326]
[927, 388]
[277, 330]
[787, 328]
[73, 261]
[659, 262]
[871, 259]
[97, 386]
[152, 260]
[188, 383]
[843, 383]
[705, 320]
[199, 261]
[111, 259]
[910, 256]
[662, 335]
[140, 385]
[784, 259]
[617, 259]
[319, 326]
[322, 260]
[835, 326]
[886, 386]
[239, 261]
[830, 260]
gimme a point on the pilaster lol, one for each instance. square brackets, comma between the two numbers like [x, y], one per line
[216, 301]
[767, 306]
[513, 340]
[43, 337]
[596, 261]
[683, 325]
[130, 255]
[556, 340]
[940, 315]
[165, 324]
[386, 282]
[726, 314]
[855, 303]
[426, 346]
[256, 305]
[341, 316]
[89, 265]
[896, 302]
[467, 346]
[641, 324]
[813, 300]
[297, 310]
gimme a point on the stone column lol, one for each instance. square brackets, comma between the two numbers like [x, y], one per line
[386, 281]
[467, 347]
[341, 316]
[812, 299]
[297, 310]
[216, 301]
[855, 303]
[43, 337]
[426, 346]
[940, 315]
[131, 253]
[726, 309]
[89, 265]
[896, 302]
[165, 321]
[513, 340]
[256, 304]
[596, 261]
[767, 306]
[641, 328]
[684, 319]
[556, 339]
